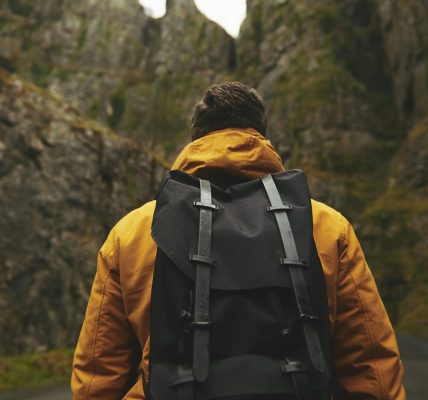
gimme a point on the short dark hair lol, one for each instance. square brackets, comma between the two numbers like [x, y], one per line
[228, 105]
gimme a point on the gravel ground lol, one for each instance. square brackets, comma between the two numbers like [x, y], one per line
[57, 393]
[414, 353]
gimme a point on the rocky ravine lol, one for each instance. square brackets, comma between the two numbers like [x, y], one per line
[135, 74]
[64, 181]
[346, 84]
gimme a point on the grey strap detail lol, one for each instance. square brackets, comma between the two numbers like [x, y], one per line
[185, 383]
[201, 322]
[279, 207]
[202, 259]
[297, 371]
[206, 205]
[296, 263]
[294, 266]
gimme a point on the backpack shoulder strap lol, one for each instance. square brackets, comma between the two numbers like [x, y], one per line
[295, 267]
[204, 263]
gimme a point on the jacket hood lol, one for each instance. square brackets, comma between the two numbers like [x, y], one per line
[229, 156]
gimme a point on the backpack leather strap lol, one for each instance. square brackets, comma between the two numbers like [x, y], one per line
[201, 322]
[295, 267]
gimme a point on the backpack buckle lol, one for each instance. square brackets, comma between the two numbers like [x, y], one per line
[202, 259]
[296, 263]
[281, 207]
[285, 332]
[308, 317]
[289, 366]
[185, 315]
[203, 204]
[201, 324]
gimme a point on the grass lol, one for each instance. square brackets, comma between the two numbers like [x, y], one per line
[35, 370]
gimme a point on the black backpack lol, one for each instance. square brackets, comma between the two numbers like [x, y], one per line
[239, 306]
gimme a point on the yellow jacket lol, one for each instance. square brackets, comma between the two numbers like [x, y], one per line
[113, 346]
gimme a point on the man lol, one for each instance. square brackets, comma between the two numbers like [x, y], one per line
[229, 146]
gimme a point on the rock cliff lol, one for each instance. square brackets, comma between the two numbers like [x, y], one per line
[79, 50]
[394, 227]
[109, 60]
[64, 181]
[346, 84]
[404, 31]
[321, 66]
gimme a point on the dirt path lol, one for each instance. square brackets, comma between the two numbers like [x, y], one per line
[57, 393]
[414, 353]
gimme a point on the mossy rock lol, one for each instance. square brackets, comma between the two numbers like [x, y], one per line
[167, 120]
[41, 74]
[117, 102]
[394, 230]
[22, 7]
[413, 310]
[35, 370]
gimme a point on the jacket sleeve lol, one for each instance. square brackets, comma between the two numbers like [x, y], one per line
[107, 354]
[365, 352]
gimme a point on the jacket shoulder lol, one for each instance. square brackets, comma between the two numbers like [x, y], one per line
[324, 212]
[135, 218]
[131, 230]
[329, 226]
[135, 222]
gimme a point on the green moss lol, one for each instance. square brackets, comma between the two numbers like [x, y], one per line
[35, 370]
[351, 36]
[413, 311]
[26, 33]
[362, 189]
[62, 74]
[332, 80]
[131, 187]
[82, 38]
[356, 44]
[4, 20]
[6, 78]
[202, 34]
[257, 23]
[132, 119]
[166, 120]
[398, 204]
[426, 74]
[55, 50]
[311, 91]
[395, 227]
[41, 74]
[94, 110]
[296, 153]
[117, 101]
[7, 64]
[327, 18]
[418, 131]
[355, 190]
[21, 7]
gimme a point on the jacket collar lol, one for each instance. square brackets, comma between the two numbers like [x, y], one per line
[229, 156]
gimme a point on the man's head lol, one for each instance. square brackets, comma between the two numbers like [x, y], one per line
[228, 105]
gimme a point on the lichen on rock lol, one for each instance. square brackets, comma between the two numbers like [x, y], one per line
[64, 180]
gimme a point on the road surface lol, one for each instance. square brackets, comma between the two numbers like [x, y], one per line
[414, 353]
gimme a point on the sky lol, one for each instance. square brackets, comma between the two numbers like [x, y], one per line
[227, 13]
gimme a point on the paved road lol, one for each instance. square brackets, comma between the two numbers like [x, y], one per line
[57, 393]
[414, 353]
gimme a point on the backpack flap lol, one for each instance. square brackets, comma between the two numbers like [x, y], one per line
[246, 247]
